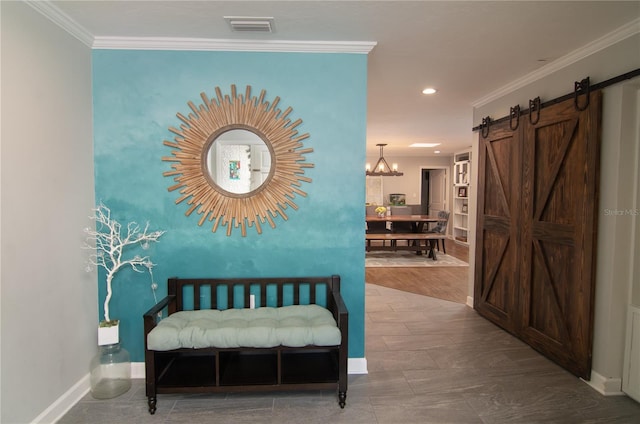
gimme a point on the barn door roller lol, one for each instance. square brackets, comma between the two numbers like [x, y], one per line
[583, 86]
[580, 88]
[514, 112]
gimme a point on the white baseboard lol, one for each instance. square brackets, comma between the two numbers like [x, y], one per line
[64, 403]
[470, 302]
[606, 386]
[357, 366]
[137, 370]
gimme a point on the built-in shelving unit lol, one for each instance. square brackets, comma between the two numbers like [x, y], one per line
[461, 187]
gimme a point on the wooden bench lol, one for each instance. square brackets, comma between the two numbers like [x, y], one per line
[414, 242]
[239, 369]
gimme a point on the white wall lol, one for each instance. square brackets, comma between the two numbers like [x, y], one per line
[635, 270]
[619, 172]
[409, 183]
[48, 302]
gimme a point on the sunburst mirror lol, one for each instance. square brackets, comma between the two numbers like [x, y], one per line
[237, 160]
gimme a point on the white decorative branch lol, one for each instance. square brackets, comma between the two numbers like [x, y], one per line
[110, 247]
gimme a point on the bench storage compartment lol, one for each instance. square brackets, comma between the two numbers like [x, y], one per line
[229, 349]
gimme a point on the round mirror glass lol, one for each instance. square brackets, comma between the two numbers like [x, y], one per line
[238, 161]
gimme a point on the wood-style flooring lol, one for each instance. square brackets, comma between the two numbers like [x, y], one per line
[429, 361]
[447, 283]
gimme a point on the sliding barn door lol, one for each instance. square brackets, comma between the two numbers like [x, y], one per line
[535, 272]
[497, 239]
[560, 200]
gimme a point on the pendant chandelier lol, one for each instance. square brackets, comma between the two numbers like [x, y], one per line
[382, 168]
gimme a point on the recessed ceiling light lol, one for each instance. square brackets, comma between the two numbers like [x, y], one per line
[424, 144]
[429, 91]
[436, 151]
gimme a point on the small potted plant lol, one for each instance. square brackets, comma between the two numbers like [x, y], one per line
[110, 246]
[381, 210]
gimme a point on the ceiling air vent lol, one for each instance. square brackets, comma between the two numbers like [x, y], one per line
[249, 24]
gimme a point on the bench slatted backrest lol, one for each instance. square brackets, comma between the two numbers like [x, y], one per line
[284, 287]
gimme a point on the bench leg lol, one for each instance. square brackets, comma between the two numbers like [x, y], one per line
[342, 399]
[151, 400]
[433, 244]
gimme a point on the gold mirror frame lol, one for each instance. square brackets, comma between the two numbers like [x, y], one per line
[215, 117]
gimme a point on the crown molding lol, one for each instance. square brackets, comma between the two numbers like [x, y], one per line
[63, 20]
[622, 33]
[163, 43]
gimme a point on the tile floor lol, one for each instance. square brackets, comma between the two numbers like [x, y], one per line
[429, 361]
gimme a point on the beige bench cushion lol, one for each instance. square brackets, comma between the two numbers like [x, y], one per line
[293, 326]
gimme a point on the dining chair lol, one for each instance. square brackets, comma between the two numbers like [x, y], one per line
[441, 228]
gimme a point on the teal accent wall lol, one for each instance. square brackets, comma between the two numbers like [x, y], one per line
[136, 97]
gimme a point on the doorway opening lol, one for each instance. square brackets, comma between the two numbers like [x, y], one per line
[443, 282]
[433, 190]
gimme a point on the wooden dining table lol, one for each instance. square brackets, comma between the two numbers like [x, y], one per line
[417, 221]
[417, 224]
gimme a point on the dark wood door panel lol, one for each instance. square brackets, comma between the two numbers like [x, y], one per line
[494, 297]
[549, 292]
[559, 160]
[497, 195]
[554, 323]
[536, 230]
[496, 240]
[560, 168]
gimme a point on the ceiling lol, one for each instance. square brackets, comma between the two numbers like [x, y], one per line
[466, 50]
